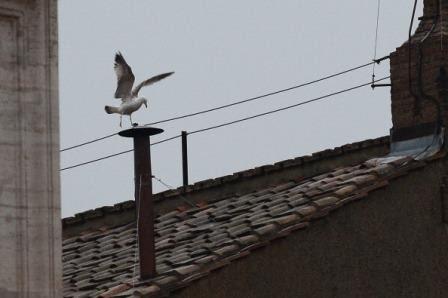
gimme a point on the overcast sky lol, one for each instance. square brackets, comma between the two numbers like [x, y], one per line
[221, 51]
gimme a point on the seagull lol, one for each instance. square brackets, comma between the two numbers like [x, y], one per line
[130, 102]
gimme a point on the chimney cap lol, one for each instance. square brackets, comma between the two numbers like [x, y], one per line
[140, 131]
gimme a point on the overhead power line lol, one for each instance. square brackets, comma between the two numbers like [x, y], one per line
[232, 122]
[230, 104]
[262, 96]
[169, 187]
[115, 154]
[284, 108]
[89, 142]
[376, 38]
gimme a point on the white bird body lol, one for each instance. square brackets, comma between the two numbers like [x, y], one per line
[129, 106]
[125, 80]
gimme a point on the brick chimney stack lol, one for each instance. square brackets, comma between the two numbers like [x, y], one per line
[416, 100]
[431, 7]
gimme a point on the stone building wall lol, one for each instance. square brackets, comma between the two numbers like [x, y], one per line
[30, 230]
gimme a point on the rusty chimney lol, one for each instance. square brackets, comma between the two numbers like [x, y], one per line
[143, 196]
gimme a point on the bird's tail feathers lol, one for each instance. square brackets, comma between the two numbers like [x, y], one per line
[110, 109]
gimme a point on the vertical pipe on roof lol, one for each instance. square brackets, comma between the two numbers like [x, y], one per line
[184, 159]
[143, 197]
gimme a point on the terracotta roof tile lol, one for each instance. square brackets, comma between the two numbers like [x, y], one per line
[325, 202]
[360, 180]
[147, 291]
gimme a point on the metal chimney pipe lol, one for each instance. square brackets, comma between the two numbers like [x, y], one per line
[143, 197]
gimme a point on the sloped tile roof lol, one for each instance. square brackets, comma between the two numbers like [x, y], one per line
[192, 243]
[221, 182]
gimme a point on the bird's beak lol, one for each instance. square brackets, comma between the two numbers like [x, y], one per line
[146, 105]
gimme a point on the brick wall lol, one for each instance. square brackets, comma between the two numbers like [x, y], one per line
[431, 7]
[429, 52]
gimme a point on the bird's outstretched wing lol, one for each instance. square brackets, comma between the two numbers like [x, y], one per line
[150, 81]
[125, 77]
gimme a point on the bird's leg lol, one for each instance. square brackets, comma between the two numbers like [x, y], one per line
[120, 119]
[130, 118]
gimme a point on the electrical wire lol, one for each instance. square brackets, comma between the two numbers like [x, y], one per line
[417, 97]
[422, 93]
[231, 122]
[376, 39]
[89, 142]
[115, 154]
[182, 197]
[228, 105]
[262, 96]
[285, 108]
[414, 95]
[136, 231]
[172, 188]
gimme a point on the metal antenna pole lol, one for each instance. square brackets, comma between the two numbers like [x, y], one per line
[143, 196]
[184, 159]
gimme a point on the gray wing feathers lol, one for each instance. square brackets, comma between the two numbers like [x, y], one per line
[125, 77]
[150, 81]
